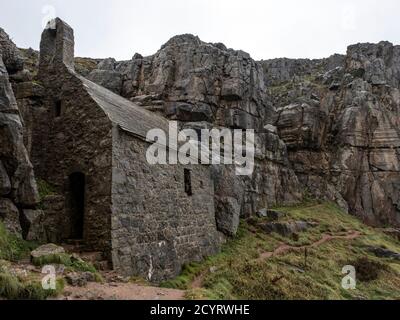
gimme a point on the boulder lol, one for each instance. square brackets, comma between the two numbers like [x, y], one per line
[47, 250]
[385, 253]
[286, 229]
[228, 215]
[270, 214]
[229, 199]
[110, 79]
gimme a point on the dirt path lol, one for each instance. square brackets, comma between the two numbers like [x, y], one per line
[326, 238]
[121, 291]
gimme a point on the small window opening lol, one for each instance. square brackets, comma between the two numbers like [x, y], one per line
[188, 182]
[57, 109]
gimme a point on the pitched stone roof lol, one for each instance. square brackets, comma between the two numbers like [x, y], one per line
[124, 113]
[131, 117]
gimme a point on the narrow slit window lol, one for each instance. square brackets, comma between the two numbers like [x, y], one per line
[188, 182]
[58, 109]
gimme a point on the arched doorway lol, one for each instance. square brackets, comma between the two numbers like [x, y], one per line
[77, 188]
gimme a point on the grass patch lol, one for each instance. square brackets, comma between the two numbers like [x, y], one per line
[13, 288]
[368, 270]
[189, 272]
[45, 189]
[12, 247]
[238, 273]
[72, 263]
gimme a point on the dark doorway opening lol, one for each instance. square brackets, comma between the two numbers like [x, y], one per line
[58, 109]
[188, 182]
[77, 204]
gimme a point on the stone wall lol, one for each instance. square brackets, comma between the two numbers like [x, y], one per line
[156, 226]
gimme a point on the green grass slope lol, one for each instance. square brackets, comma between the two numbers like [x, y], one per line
[316, 273]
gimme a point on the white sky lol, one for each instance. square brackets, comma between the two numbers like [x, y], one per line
[264, 28]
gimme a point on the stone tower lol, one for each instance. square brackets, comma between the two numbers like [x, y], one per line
[56, 48]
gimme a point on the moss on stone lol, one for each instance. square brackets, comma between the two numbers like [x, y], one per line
[45, 189]
[72, 263]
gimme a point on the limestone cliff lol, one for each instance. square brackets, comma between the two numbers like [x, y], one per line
[340, 120]
[18, 190]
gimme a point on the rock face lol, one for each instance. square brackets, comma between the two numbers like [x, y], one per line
[17, 183]
[339, 118]
[106, 75]
[385, 253]
[11, 56]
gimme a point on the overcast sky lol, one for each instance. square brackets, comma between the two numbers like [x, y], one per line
[264, 28]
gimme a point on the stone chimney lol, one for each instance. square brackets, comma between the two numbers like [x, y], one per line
[56, 47]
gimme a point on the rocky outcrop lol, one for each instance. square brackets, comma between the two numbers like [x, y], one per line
[285, 229]
[17, 183]
[106, 75]
[11, 56]
[195, 81]
[340, 124]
